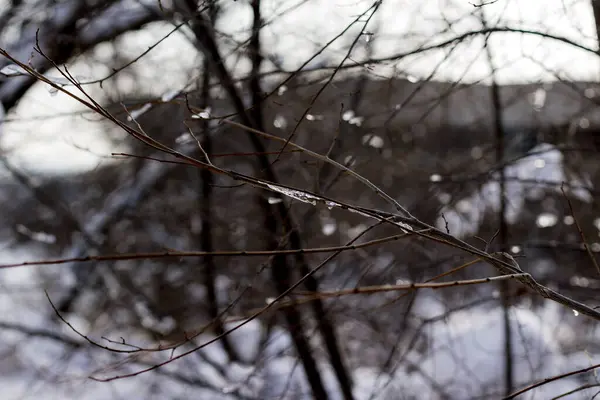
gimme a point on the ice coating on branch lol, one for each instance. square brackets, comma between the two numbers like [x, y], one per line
[296, 194]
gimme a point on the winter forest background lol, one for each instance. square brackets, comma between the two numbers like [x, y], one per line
[297, 199]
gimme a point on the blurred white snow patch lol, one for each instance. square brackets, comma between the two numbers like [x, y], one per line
[61, 158]
[43, 353]
[427, 307]
[373, 384]
[329, 228]
[222, 285]
[68, 143]
[41, 237]
[67, 386]
[209, 374]
[214, 352]
[356, 230]
[165, 67]
[46, 136]
[545, 165]
[245, 380]
[382, 262]
[278, 343]
[546, 220]
[285, 379]
[134, 114]
[22, 300]
[246, 339]
[467, 348]
[374, 141]
[280, 122]
[542, 266]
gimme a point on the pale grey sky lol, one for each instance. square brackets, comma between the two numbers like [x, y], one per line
[298, 29]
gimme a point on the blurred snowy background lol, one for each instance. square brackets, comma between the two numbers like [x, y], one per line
[417, 120]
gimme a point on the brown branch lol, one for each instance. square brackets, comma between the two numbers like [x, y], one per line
[552, 379]
[587, 247]
[226, 253]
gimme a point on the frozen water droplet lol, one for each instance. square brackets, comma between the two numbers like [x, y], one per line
[576, 313]
[435, 178]
[281, 90]
[312, 117]
[329, 229]
[280, 122]
[348, 115]
[331, 204]
[270, 300]
[274, 200]
[373, 141]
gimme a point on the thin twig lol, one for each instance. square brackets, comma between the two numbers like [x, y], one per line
[588, 249]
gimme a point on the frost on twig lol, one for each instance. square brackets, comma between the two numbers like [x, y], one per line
[296, 194]
[309, 198]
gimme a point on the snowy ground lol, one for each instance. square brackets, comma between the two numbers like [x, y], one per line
[463, 359]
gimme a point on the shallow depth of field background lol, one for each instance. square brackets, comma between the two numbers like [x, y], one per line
[419, 126]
